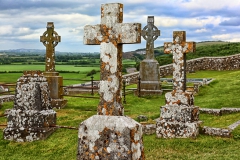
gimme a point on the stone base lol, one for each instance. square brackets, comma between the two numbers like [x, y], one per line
[179, 118]
[110, 137]
[176, 129]
[59, 103]
[29, 125]
[150, 75]
[179, 113]
[55, 83]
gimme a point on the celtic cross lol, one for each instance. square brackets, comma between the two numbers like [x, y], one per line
[150, 33]
[50, 39]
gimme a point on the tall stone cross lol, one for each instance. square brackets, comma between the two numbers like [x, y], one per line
[110, 35]
[150, 33]
[50, 39]
[179, 48]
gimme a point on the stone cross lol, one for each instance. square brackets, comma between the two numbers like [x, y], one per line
[50, 39]
[179, 48]
[150, 33]
[110, 35]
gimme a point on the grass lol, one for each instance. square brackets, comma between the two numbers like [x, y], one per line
[42, 68]
[62, 144]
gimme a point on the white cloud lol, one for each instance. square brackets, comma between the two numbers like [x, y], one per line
[233, 37]
[6, 30]
[201, 30]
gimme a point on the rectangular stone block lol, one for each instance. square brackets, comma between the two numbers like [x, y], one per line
[110, 137]
[171, 113]
[176, 129]
[29, 125]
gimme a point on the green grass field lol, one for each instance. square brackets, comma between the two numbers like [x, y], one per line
[20, 67]
[62, 144]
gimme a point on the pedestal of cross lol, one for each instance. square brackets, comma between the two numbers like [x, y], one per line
[149, 67]
[50, 40]
[32, 115]
[179, 117]
[110, 135]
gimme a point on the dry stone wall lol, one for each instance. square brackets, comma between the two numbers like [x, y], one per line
[204, 63]
[207, 63]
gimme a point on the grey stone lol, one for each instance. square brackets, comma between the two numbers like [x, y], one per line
[110, 137]
[32, 116]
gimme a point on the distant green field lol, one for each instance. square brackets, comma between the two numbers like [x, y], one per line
[42, 68]
[211, 43]
[80, 76]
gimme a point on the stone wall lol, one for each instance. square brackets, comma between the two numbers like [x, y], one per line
[204, 63]
[207, 63]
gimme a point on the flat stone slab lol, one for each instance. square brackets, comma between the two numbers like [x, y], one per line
[217, 131]
[149, 129]
[110, 137]
[219, 112]
[6, 98]
[234, 125]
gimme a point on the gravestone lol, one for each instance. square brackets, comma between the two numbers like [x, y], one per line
[110, 134]
[32, 115]
[149, 67]
[50, 40]
[179, 118]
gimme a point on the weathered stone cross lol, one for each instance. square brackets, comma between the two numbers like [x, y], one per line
[179, 48]
[111, 34]
[50, 39]
[150, 33]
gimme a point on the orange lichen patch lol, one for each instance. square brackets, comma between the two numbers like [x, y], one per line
[120, 16]
[191, 47]
[95, 148]
[103, 65]
[92, 156]
[114, 42]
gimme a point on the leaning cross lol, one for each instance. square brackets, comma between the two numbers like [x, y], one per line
[179, 48]
[150, 33]
[50, 39]
[111, 34]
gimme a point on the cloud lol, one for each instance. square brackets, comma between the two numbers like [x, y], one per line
[231, 22]
[6, 30]
[23, 22]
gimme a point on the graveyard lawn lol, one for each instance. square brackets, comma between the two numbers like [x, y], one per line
[62, 144]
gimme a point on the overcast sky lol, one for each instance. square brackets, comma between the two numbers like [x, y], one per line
[22, 22]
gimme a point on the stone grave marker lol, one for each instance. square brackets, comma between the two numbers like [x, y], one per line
[110, 134]
[179, 118]
[50, 40]
[32, 115]
[149, 67]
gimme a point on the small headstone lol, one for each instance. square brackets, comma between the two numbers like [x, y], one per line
[149, 67]
[50, 40]
[110, 135]
[179, 118]
[32, 116]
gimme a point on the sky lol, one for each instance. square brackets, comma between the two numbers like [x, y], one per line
[22, 22]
